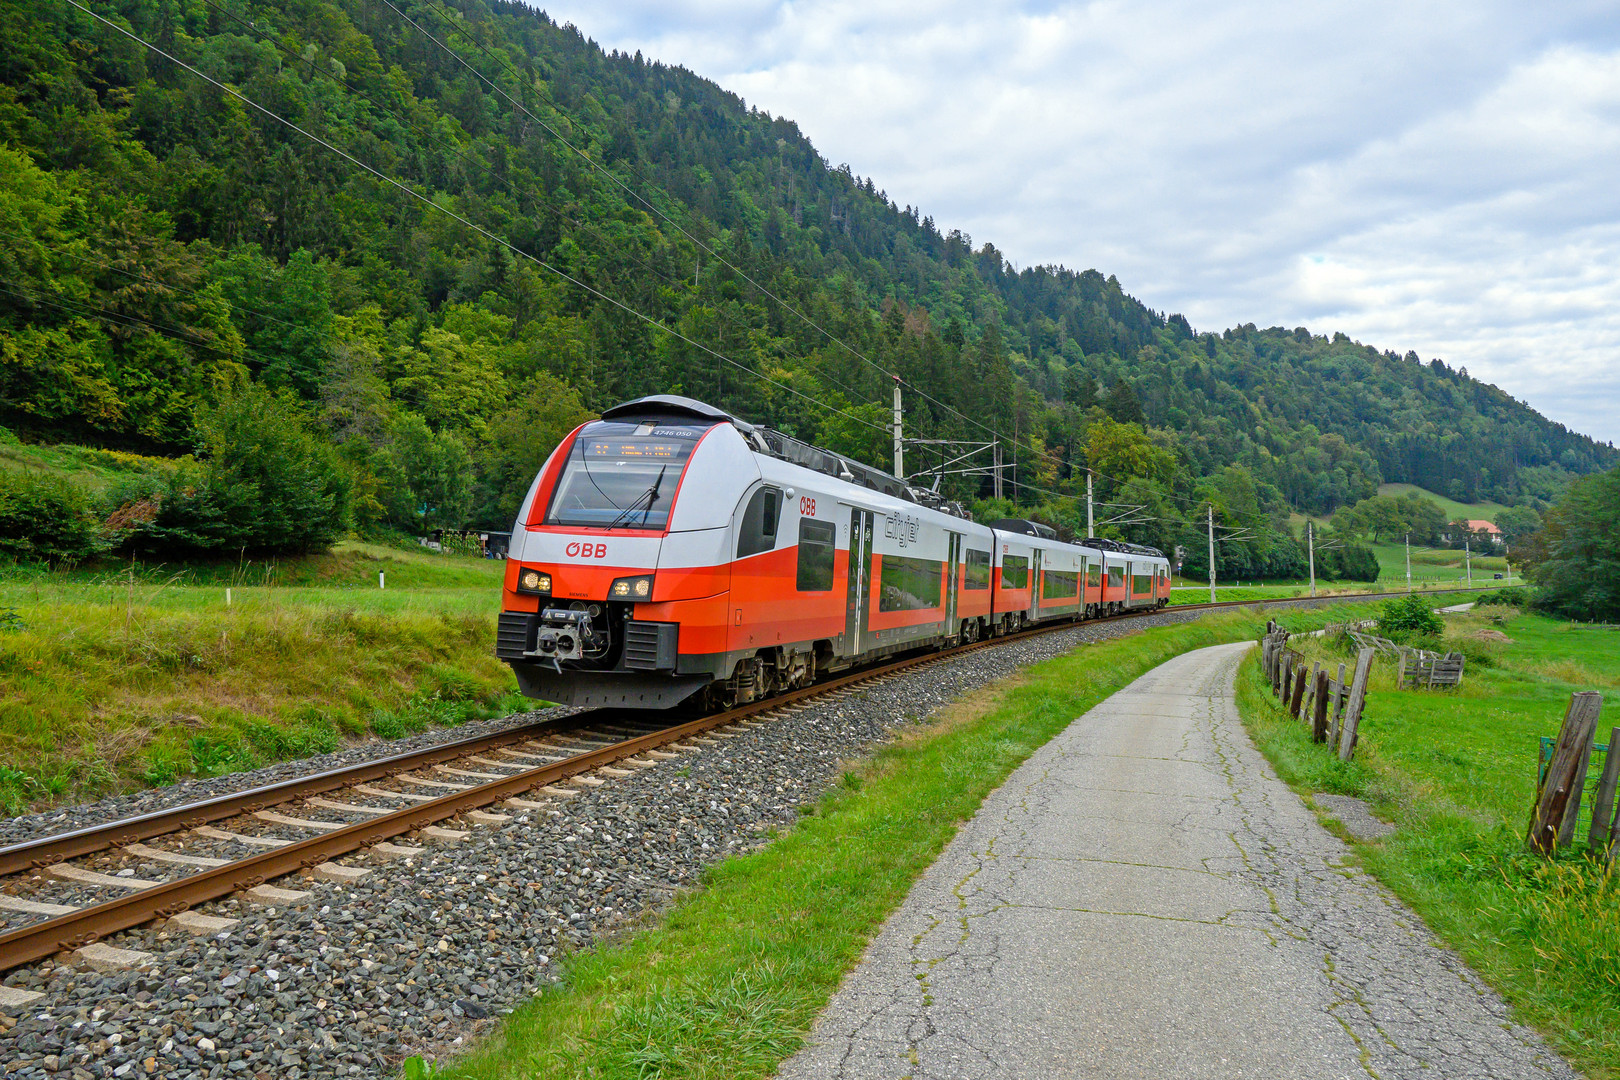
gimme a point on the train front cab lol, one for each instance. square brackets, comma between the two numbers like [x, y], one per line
[618, 580]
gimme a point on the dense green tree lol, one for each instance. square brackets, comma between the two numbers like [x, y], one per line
[159, 239]
[1574, 561]
[517, 443]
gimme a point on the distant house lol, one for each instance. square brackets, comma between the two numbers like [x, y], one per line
[1473, 529]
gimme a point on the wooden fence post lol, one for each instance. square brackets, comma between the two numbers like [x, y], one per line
[1558, 799]
[1319, 729]
[1299, 691]
[1338, 704]
[1601, 835]
[1319, 718]
[1287, 675]
[1352, 710]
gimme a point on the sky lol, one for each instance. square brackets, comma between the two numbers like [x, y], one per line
[1434, 176]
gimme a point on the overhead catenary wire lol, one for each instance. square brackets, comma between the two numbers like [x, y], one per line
[408, 190]
[73, 306]
[488, 170]
[178, 289]
[455, 22]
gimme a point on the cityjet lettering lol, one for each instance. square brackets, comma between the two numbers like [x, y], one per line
[901, 529]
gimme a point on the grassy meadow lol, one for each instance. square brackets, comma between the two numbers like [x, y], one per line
[116, 679]
[1455, 511]
[1456, 772]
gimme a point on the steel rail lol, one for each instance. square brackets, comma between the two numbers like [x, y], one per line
[35, 941]
[76, 929]
[31, 854]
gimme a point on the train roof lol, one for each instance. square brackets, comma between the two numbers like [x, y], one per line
[785, 447]
[1024, 527]
[1119, 545]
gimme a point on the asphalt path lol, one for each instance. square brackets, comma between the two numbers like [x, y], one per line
[1144, 898]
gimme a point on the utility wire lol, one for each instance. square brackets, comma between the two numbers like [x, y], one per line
[180, 289]
[464, 221]
[455, 21]
[73, 306]
[500, 175]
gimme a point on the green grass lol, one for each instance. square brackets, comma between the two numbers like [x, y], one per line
[1456, 770]
[1194, 593]
[726, 984]
[116, 679]
[1432, 567]
[1455, 511]
[94, 469]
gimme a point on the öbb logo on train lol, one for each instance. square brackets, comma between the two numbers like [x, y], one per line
[586, 551]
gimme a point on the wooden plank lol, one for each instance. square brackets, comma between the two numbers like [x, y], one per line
[1319, 726]
[1352, 709]
[1299, 692]
[1558, 797]
[1601, 834]
[1284, 685]
[1340, 693]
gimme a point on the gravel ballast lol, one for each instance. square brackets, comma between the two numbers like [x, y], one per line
[413, 956]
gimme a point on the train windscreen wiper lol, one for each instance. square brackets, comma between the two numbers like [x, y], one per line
[649, 496]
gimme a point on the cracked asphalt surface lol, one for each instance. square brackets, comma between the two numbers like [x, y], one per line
[1144, 898]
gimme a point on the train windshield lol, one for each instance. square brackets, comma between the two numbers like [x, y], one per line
[622, 476]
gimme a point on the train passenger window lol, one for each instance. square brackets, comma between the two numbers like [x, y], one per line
[1014, 571]
[1059, 585]
[910, 584]
[976, 569]
[1094, 576]
[759, 522]
[1116, 576]
[817, 540]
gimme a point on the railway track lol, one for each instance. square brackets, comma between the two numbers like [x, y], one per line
[303, 825]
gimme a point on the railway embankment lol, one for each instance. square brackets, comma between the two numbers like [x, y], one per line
[416, 953]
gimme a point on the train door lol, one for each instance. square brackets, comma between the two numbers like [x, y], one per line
[1035, 583]
[953, 575]
[860, 580]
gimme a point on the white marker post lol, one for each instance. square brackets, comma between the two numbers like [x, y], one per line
[380, 584]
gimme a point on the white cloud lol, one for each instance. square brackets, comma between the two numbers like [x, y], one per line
[1438, 177]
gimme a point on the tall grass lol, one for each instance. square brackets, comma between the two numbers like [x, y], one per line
[1456, 771]
[112, 681]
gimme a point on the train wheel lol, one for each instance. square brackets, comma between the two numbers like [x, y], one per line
[970, 631]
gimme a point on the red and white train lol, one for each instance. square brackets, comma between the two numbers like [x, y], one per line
[670, 549]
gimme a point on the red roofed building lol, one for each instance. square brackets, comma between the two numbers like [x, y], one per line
[1480, 530]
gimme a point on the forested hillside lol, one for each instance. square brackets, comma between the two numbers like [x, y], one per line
[487, 228]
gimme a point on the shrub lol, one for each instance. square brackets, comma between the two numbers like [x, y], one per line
[266, 484]
[1409, 617]
[1515, 596]
[45, 519]
[1574, 561]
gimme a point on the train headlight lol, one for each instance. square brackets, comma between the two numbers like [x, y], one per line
[534, 581]
[632, 588]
